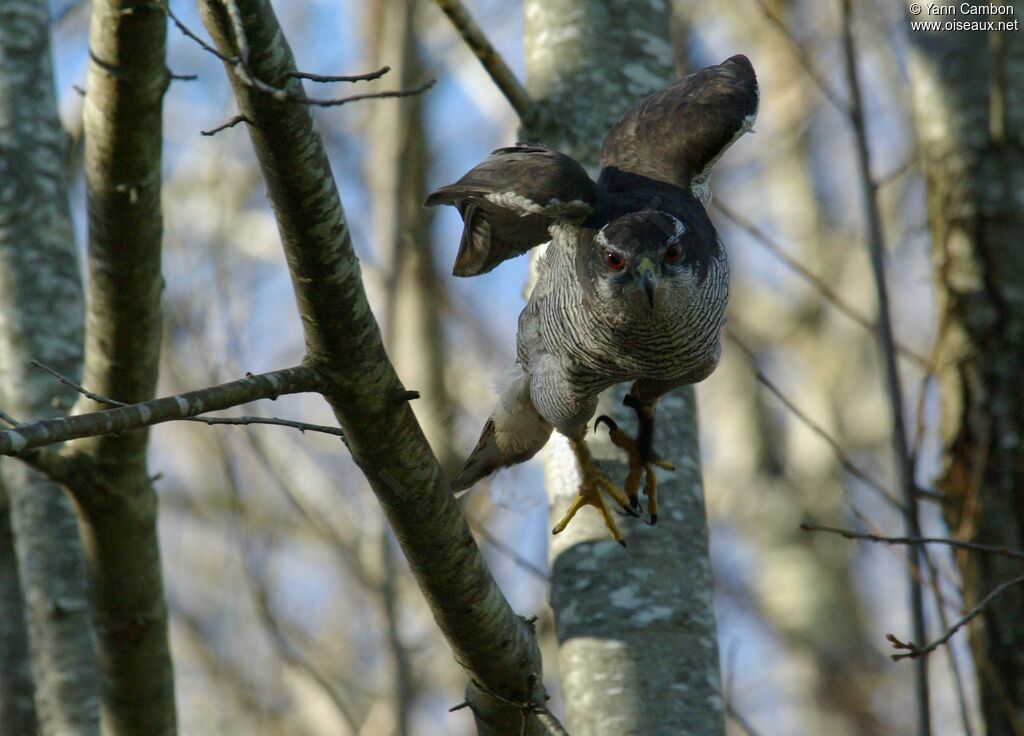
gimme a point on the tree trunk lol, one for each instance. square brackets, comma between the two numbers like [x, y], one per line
[638, 649]
[41, 319]
[17, 710]
[123, 144]
[969, 99]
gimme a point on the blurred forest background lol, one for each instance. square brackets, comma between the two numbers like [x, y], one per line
[292, 610]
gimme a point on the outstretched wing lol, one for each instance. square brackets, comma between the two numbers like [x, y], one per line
[675, 135]
[508, 201]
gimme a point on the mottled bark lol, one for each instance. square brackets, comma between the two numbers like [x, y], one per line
[123, 143]
[969, 99]
[638, 647]
[41, 318]
[17, 709]
[494, 646]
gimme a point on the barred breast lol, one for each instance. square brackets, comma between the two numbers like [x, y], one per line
[602, 344]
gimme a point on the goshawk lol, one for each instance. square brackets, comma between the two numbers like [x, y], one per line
[632, 287]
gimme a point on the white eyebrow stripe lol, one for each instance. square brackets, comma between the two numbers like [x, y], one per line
[680, 229]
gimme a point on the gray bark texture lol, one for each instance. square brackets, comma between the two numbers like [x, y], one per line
[969, 103]
[117, 516]
[495, 647]
[41, 318]
[17, 709]
[638, 647]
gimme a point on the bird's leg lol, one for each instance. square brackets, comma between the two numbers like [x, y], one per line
[641, 455]
[592, 482]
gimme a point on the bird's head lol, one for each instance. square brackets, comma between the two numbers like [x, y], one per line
[636, 258]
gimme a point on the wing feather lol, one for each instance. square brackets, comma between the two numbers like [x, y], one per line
[675, 135]
[508, 201]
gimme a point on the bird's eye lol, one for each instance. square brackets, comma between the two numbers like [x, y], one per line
[673, 253]
[614, 260]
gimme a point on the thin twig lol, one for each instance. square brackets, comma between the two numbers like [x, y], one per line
[504, 549]
[917, 541]
[502, 76]
[368, 96]
[77, 387]
[740, 720]
[240, 64]
[887, 348]
[224, 126]
[327, 79]
[274, 421]
[954, 665]
[915, 651]
[826, 291]
[802, 58]
[841, 455]
[8, 419]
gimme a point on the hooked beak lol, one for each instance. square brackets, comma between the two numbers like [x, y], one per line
[648, 279]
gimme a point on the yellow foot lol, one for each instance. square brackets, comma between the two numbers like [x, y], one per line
[641, 462]
[592, 483]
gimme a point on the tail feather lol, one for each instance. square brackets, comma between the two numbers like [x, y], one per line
[484, 460]
[514, 433]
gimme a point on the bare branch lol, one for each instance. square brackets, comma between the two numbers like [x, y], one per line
[299, 379]
[8, 419]
[506, 550]
[845, 461]
[273, 421]
[802, 58]
[493, 63]
[826, 291]
[240, 64]
[369, 96]
[915, 651]
[224, 126]
[234, 421]
[326, 79]
[917, 541]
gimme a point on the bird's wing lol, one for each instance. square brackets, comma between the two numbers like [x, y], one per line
[509, 200]
[675, 135]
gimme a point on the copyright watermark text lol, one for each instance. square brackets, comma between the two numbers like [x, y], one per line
[928, 16]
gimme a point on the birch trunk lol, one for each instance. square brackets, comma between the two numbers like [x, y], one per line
[638, 650]
[41, 318]
[117, 518]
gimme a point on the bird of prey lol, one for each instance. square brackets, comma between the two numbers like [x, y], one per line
[632, 287]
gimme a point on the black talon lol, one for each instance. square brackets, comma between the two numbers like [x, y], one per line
[622, 542]
[629, 511]
[653, 521]
[612, 425]
[634, 503]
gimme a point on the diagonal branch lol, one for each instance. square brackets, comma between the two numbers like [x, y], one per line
[822, 286]
[494, 646]
[492, 61]
[918, 651]
[300, 379]
[845, 461]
